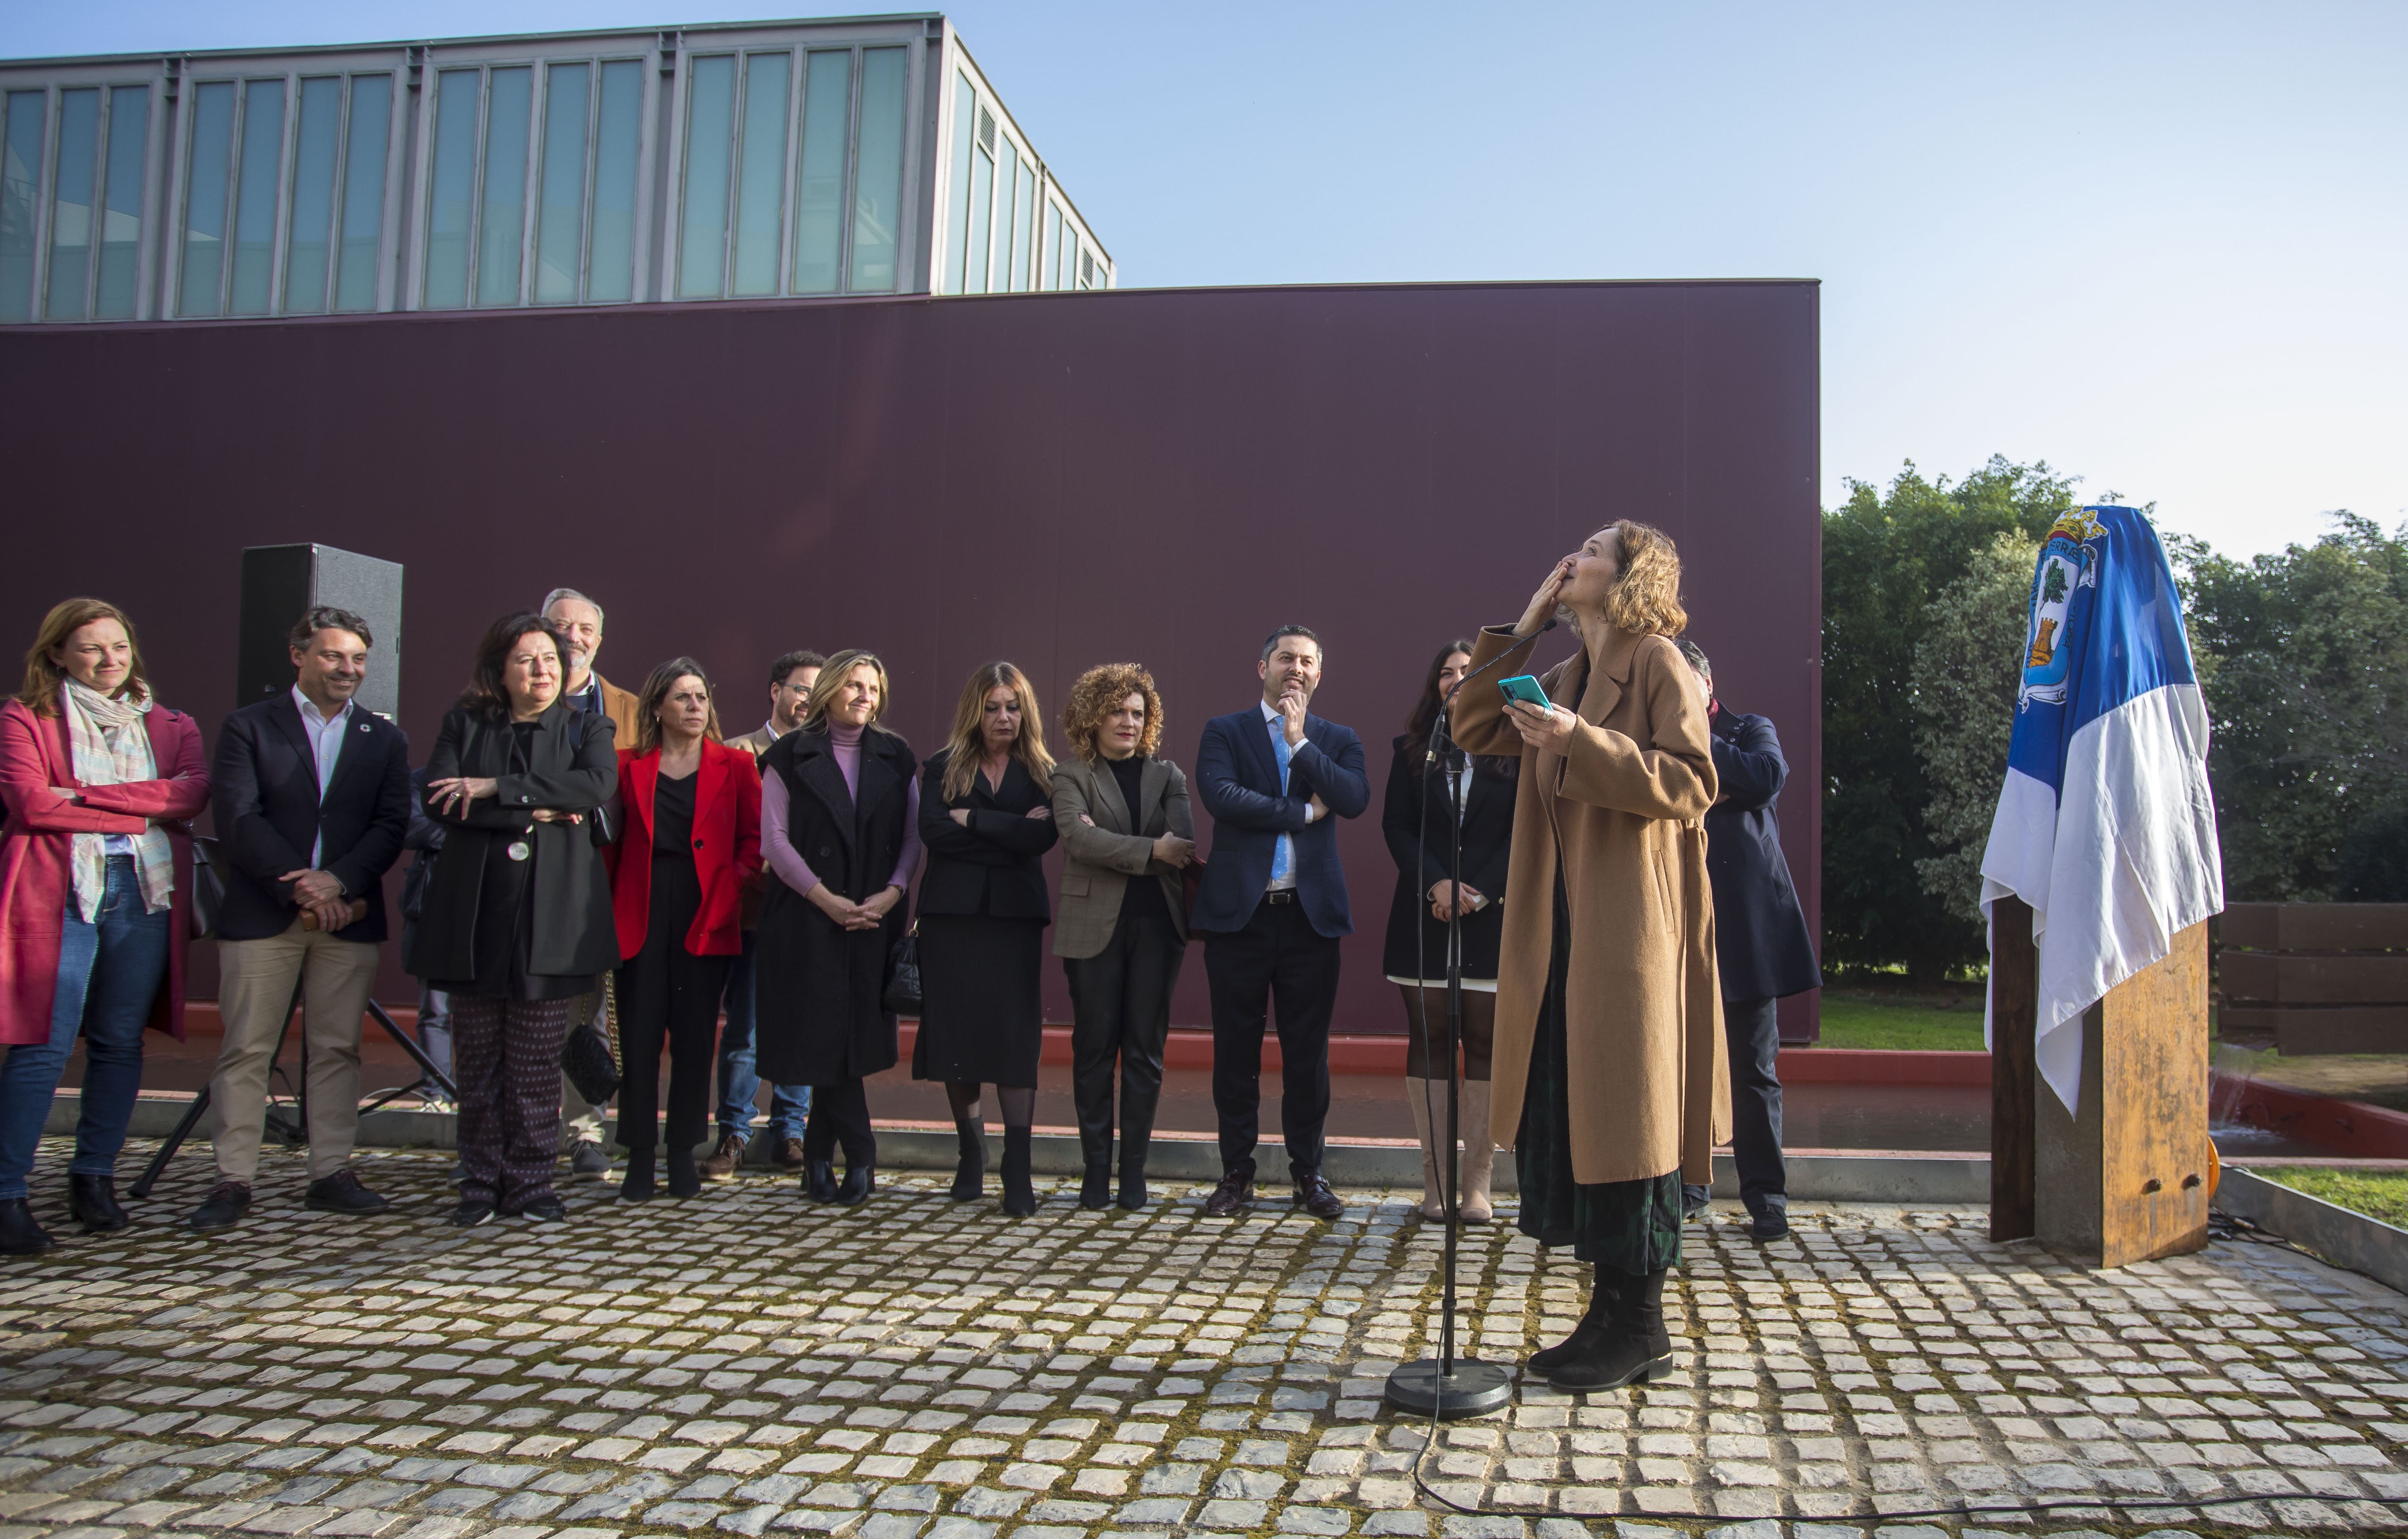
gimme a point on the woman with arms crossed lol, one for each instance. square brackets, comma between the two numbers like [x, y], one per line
[986, 815]
[1608, 1056]
[516, 920]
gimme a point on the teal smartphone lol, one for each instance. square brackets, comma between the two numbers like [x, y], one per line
[1525, 689]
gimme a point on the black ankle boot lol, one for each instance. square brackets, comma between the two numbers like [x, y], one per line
[638, 1185]
[1095, 1187]
[970, 1172]
[859, 1182]
[684, 1180]
[1603, 1299]
[1133, 1192]
[1019, 1196]
[1634, 1346]
[19, 1235]
[819, 1180]
[92, 1201]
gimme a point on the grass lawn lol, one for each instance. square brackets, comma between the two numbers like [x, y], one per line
[2377, 1194]
[1858, 1020]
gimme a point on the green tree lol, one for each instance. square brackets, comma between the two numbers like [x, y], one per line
[1886, 556]
[2304, 666]
[1966, 667]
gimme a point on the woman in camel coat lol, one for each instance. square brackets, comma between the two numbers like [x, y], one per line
[1608, 1055]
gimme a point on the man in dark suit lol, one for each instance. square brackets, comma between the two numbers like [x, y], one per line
[311, 796]
[1272, 907]
[1761, 943]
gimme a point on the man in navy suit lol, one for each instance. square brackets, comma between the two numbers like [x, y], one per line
[1272, 907]
[1761, 945]
[311, 796]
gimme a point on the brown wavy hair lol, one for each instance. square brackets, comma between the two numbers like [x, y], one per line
[1097, 692]
[1646, 598]
[967, 743]
[43, 677]
[486, 694]
[656, 692]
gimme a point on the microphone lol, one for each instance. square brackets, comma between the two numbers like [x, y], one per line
[1446, 706]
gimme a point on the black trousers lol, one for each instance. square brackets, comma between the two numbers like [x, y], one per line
[840, 1115]
[1278, 959]
[1751, 1032]
[670, 996]
[1120, 1011]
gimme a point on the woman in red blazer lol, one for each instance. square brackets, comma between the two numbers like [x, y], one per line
[95, 898]
[688, 852]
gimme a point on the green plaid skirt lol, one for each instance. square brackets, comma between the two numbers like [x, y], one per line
[1631, 1226]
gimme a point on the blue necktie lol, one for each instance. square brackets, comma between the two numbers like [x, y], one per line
[1283, 852]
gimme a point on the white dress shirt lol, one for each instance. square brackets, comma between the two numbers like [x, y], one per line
[326, 734]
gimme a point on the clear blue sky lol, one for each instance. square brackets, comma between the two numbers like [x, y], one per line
[2164, 247]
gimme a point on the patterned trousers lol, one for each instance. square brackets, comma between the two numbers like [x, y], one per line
[506, 1057]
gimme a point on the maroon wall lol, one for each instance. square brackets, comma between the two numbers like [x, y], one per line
[1057, 479]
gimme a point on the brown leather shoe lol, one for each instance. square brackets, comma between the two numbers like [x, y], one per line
[1236, 1191]
[724, 1160]
[1313, 1195]
[790, 1154]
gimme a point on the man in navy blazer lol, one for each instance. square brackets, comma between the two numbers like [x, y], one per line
[1761, 944]
[312, 797]
[1272, 907]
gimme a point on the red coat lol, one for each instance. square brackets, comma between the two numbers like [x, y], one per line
[34, 868]
[726, 847]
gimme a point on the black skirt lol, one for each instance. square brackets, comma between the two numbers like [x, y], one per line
[983, 1004]
[1629, 1226]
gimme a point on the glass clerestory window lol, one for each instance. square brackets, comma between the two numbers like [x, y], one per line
[317, 148]
[792, 173]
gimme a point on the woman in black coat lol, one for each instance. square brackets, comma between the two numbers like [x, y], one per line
[1417, 819]
[986, 815]
[839, 834]
[516, 919]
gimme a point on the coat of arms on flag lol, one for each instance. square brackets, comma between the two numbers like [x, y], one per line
[2105, 826]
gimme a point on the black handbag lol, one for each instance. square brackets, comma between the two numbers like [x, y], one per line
[585, 1059]
[209, 887]
[903, 974]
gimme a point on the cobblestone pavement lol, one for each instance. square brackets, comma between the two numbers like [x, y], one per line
[918, 1369]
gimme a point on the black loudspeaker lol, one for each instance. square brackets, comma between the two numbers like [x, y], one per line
[280, 583]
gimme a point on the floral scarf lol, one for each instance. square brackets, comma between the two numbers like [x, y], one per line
[111, 747]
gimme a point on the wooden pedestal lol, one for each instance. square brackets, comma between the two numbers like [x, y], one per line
[2124, 1177]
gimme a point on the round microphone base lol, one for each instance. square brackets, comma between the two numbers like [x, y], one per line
[1474, 1388]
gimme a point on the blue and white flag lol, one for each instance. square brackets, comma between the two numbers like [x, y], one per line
[2106, 826]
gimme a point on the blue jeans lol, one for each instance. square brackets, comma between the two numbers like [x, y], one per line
[109, 973]
[738, 1086]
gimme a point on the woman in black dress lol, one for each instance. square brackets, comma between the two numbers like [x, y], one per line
[986, 815]
[687, 856]
[840, 835]
[1419, 819]
[516, 920]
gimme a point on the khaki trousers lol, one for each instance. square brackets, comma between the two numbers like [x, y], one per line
[255, 980]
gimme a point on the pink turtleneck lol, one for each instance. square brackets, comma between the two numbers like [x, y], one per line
[844, 742]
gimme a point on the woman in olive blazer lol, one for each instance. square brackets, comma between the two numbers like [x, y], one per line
[516, 920]
[1121, 926]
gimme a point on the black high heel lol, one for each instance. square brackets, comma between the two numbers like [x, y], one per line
[684, 1180]
[92, 1201]
[638, 1185]
[1018, 1195]
[819, 1180]
[859, 1182]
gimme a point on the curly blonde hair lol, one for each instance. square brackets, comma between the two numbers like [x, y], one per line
[1646, 598]
[1096, 692]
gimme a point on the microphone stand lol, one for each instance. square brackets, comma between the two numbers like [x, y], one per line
[1446, 1387]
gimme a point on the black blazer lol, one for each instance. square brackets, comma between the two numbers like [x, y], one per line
[264, 792]
[819, 991]
[995, 866]
[1236, 778]
[572, 765]
[1760, 932]
[1417, 789]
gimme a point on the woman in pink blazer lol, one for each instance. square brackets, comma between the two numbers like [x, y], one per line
[95, 898]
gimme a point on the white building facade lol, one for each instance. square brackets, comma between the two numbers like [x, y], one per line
[758, 160]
